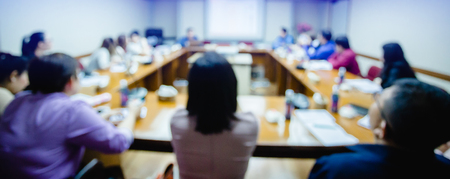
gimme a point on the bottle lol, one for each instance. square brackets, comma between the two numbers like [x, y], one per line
[335, 99]
[123, 92]
[341, 73]
[289, 95]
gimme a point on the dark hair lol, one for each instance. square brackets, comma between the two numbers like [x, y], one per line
[417, 115]
[342, 41]
[212, 93]
[30, 44]
[10, 63]
[395, 65]
[134, 33]
[326, 34]
[122, 41]
[284, 30]
[51, 73]
[108, 43]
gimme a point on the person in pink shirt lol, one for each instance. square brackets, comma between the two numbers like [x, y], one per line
[43, 133]
[344, 56]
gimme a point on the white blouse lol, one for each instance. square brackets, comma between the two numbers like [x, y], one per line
[224, 155]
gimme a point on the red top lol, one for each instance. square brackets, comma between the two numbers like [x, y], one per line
[345, 59]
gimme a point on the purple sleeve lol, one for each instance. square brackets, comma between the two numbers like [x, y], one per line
[87, 128]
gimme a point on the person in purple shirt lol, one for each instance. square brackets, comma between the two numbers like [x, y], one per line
[283, 40]
[43, 133]
[323, 50]
[344, 56]
[189, 39]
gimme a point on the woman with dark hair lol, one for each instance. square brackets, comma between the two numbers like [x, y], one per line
[43, 133]
[13, 78]
[35, 45]
[102, 57]
[344, 56]
[138, 45]
[121, 45]
[209, 138]
[395, 65]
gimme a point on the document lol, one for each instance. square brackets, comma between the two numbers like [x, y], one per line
[364, 85]
[364, 122]
[314, 65]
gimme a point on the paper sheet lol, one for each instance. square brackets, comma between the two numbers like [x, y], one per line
[252, 104]
[118, 68]
[101, 81]
[318, 65]
[364, 85]
[160, 127]
[364, 122]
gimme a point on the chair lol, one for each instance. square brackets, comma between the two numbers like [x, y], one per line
[158, 33]
[94, 169]
[373, 73]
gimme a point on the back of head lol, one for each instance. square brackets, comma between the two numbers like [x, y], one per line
[393, 53]
[417, 115]
[212, 93]
[108, 43]
[10, 63]
[122, 41]
[51, 73]
[326, 34]
[135, 32]
[30, 44]
[342, 41]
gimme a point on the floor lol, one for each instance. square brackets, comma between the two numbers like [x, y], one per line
[147, 165]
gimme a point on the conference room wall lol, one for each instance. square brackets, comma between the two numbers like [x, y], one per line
[77, 27]
[421, 27]
[339, 17]
[315, 13]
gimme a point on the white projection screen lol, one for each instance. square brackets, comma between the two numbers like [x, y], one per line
[234, 19]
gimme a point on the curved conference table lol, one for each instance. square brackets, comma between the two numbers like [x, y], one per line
[153, 132]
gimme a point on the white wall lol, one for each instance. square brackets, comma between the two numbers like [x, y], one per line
[339, 17]
[421, 28]
[164, 15]
[278, 14]
[314, 13]
[191, 15]
[77, 27]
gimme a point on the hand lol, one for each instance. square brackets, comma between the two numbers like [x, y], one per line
[134, 106]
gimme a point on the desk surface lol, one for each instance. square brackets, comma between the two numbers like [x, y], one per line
[151, 132]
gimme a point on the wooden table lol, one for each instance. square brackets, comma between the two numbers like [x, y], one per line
[270, 144]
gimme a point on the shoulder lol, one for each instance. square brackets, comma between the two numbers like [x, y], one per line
[247, 121]
[180, 119]
[349, 53]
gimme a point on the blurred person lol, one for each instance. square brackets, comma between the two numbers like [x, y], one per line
[101, 58]
[121, 45]
[283, 40]
[137, 45]
[324, 49]
[209, 138]
[13, 78]
[43, 133]
[408, 123]
[36, 45]
[344, 56]
[395, 65]
[189, 39]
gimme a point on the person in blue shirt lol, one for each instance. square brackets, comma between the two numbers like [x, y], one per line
[283, 40]
[189, 39]
[322, 51]
[408, 120]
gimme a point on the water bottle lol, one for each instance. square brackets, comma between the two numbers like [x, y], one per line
[289, 95]
[335, 99]
[341, 74]
[123, 92]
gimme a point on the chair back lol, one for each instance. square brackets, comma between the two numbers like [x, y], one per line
[373, 73]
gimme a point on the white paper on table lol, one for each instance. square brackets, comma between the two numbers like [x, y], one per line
[101, 81]
[82, 97]
[318, 65]
[364, 85]
[118, 68]
[160, 127]
[364, 122]
[322, 125]
[252, 104]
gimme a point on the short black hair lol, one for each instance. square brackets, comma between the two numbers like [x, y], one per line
[342, 41]
[51, 73]
[10, 63]
[284, 30]
[212, 93]
[326, 34]
[417, 115]
[394, 62]
[135, 32]
[30, 44]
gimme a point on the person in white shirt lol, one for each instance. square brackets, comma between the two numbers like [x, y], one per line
[209, 138]
[101, 58]
[13, 78]
[137, 45]
[121, 45]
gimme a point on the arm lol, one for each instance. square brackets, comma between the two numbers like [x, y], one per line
[103, 58]
[342, 60]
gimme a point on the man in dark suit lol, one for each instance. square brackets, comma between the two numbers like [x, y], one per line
[409, 120]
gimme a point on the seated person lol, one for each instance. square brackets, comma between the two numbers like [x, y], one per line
[209, 138]
[409, 120]
[189, 40]
[102, 57]
[13, 78]
[121, 45]
[283, 40]
[344, 56]
[138, 45]
[322, 51]
[395, 65]
[43, 133]
[35, 45]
